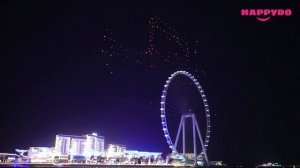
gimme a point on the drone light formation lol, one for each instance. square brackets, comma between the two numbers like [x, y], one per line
[176, 53]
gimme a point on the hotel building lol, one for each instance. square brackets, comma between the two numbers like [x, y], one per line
[86, 145]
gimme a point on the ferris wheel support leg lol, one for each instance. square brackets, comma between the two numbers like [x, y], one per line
[194, 140]
[202, 144]
[183, 136]
[178, 133]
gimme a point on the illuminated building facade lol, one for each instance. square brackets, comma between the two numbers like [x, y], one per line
[40, 154]
[62, 144]
[86, 145]
[94, 145]
[77, 145]
[115, 150]
[82, 149]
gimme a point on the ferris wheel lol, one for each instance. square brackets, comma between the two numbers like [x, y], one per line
[183, 104]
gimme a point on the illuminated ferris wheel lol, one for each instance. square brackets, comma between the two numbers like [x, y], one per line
[184, 111]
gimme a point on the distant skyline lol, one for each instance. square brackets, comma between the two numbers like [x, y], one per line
[55, 79]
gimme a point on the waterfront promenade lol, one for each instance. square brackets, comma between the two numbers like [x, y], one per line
[81, 166]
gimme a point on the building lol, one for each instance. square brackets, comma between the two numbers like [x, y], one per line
[144, 154]
[40, 154]
[8, 158]
[94, 145]
[62, 144]
[72, 145]
[77, 145]
[115, 150]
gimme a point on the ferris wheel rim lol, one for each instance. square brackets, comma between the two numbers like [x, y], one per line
[163, 109]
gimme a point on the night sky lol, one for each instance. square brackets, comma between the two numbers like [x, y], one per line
[55, 79]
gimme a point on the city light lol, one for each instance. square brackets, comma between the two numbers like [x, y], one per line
[88, 149]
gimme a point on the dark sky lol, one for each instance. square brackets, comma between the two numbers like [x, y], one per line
[53, 79]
